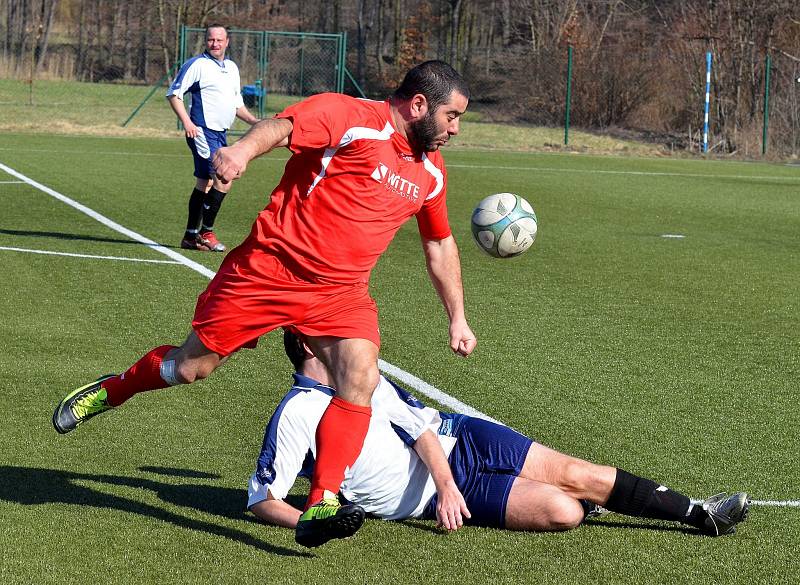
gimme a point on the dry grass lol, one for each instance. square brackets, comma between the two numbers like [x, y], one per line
[87, 109]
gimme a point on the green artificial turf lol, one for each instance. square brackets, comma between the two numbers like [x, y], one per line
[674, 358]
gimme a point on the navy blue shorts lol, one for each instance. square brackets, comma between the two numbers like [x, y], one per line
[485, 461]
[203, 147]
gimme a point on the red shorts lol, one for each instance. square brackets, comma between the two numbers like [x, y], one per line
[254, 293]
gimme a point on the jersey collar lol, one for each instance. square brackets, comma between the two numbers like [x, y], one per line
[218, 62]
[301, 381]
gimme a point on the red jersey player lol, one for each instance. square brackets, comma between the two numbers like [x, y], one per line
[359, 169]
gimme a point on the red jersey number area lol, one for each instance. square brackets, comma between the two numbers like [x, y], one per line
[352, 181]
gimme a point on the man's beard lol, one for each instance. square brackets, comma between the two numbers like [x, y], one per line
[423, 134]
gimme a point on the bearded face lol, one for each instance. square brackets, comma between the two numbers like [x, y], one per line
[432, 131]
[425, 134]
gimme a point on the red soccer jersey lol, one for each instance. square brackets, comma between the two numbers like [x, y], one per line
[349, 185]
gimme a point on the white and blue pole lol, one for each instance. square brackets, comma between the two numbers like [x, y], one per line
[708, 97]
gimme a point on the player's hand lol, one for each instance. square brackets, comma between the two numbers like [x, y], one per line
[229, 164]
[462, 339]
[451, 509]
[191, 130]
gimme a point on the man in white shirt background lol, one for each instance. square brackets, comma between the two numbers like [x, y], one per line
[215, 88]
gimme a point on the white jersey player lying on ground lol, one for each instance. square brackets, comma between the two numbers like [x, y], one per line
[420, 463]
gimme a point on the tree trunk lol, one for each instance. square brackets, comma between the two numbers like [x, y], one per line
[379, 40]
[361, 41]
[398, 29]
[48, 10]
[455, 21]
[162, 21]
[127, 46]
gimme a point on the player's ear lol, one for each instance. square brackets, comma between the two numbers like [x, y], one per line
[418, 106]
[306, 348]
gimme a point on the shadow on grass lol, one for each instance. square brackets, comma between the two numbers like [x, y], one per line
[430, 527]
[66, 236]
[643, 526]
[178, 472]
[32, 486]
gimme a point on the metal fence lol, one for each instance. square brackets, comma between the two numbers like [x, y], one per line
[286, 63]
[99, 80]
[91, 86]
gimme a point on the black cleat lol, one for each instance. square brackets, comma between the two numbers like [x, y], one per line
[328, 520]
[80, 405]
[724, 513]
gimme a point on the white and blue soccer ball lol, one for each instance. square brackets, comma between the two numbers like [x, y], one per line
[504, 225]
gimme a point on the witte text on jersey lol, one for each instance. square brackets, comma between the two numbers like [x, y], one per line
[396, 183]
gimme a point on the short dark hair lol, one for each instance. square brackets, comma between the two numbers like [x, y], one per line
[295, 351]
[436, 80]
[217, 25]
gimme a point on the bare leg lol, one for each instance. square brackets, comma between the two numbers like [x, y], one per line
[533, 505]
[193, 360]
[353, 365]
[575, 477]
[616, 489]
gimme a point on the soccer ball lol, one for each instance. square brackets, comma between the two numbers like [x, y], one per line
[504, 225]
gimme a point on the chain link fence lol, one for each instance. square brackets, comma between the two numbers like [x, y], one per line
[93, 85]
[97, 79]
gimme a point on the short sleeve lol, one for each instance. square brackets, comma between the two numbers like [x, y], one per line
[318, 122]
[432, 219]
[188, 75]
[408, 416]
[287, 442]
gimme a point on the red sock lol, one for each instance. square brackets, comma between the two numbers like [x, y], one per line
[340, 436]
[142, 376]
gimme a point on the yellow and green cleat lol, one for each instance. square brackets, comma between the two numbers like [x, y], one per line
[80, 405]
[326, 520]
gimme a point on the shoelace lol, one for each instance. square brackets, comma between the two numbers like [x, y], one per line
[86, 404]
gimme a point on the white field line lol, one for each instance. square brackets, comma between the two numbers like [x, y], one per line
[634, 173]
[432, 392]
[12, 182]
[532, 169]
[51, 253]
[768, 503]
[405, 377]
[411, 380]
[111, 224]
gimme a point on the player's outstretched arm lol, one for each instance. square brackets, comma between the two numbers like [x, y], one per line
[230, 162]
[276, 512]
[444, 269]
[451, 509]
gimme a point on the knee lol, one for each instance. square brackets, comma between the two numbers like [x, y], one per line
[358, 383]
[189, 371]
[575, 476]
[565, 513]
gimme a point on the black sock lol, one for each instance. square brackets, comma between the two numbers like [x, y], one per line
[211, 205]
[637, 496]
[195, 212]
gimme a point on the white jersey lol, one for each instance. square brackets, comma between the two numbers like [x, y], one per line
[215, 89]
[388, 479]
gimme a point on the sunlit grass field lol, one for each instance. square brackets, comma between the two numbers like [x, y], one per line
[673, 357]
[115, 109]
